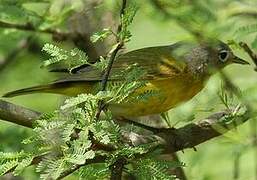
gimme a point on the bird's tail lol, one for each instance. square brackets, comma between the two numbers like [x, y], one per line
[30, 90]
[65, 88]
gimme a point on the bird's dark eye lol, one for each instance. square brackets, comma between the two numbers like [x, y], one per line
[223, 55]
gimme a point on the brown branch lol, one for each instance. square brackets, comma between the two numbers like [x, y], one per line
[188, 136]
[17, 114]
[117, 169]
[171, 140]
[194, 134]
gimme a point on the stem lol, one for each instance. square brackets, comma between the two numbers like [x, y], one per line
[117, 168]
[250, 52]
[98, 159]
[119, 46]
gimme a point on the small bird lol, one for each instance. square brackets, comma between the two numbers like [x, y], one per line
[177, 72]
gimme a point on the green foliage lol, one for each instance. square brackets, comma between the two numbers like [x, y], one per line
[71, 59]
[22, 165]
[14, 161]
[254, 43]
[226, 97]
[132, 80]
[247, 29]
[96, 171]
[58, 12]
[145, 169]
[100, 36]
[70, 136]
[43, 14]
[12, 12]
[126, 20]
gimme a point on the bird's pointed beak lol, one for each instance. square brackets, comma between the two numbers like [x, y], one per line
[238, 60]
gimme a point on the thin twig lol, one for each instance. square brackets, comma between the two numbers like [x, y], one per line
[117, 167]
[118, 47]
[109, 67]
[250, 52]
[115, 171]
[122, 12]
[98, 159]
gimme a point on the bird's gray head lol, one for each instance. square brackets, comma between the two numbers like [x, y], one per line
[208, 58]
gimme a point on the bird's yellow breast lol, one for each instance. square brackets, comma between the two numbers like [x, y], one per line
[169, 93]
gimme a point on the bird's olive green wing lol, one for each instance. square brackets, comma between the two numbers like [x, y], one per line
[157, 62]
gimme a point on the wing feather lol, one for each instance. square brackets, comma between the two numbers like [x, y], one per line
[158, 62]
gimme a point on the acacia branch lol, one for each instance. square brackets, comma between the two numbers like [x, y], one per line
[117, 167]
[190, 135]
[184, 137]
[170, 139]
[17, 114]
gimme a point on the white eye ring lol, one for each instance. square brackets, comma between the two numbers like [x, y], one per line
[223, 55]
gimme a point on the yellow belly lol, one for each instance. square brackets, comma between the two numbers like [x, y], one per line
[170, 92]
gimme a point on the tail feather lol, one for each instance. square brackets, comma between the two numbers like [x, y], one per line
[71, 88]
[34, 89]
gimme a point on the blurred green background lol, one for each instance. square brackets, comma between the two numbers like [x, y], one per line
[213, 160]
